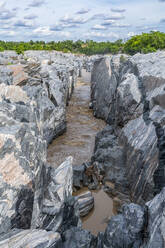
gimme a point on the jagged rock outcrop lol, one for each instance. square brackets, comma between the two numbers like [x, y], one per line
[125, 229]
[34, 91]
[33, 99]
[136, 226]
[54, 207]
[110, 157]
[78, 238]
[48, 78]
[128, 93]
[155, 222]
[30, 238]
[85, 203]
[22, 154]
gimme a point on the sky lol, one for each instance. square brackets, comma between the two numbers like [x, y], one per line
[100, 20]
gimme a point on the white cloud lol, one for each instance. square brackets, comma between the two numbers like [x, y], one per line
[75, 20]
[24, 23]
[37, 3]
[83, 11]
[7, 33]
[2, 4]
[44, 31]
[120, 25]
[121, 17]
[109, 35]
[99, 27]
[30, 17]
[118, 10]
[65, 34]
[108, 23]
[116, 16]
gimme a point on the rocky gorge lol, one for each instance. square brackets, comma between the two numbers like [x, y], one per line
[37, 206]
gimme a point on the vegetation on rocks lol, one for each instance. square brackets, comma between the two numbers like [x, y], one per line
[144, 43]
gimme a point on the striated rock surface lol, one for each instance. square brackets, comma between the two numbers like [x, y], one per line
[125, 229]
[54, 207]
[155, 228]
[22, 154]
[78, 238]
[85, 202]
[136, 226]
[48, 78]
[33, 98]
[37, 208]
[128, 94]
[30, 238]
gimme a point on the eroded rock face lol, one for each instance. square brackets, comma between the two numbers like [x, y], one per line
[48, 78]
[78, 238]
[125, 230]
[129, 95]
[85, 202]
[156, 222]
[22, 154]
[130, 152]
[30, 238]
[33, 98]
[54, 207]
[35, 90]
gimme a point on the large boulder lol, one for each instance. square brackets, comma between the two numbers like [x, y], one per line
[103, 88]
[54, 207]
[110, 158]
[125, 229]
[85, 202]
[137, 226]
[128, 102]
[22, 154]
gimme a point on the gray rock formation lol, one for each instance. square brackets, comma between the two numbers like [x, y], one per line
[128, 94]
[48, 79]
[30, 238]
[36, 204]
[22, 154]
[125, 230]
[78, 238]
[33, 98]
[54, 207]
[155, 228]
[85, 202]
[136, 226]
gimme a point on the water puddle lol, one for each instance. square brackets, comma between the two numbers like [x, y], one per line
[96, 221]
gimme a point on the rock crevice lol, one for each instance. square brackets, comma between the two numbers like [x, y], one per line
[37, 208]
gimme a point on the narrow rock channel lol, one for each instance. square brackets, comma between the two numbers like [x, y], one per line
[82, 127]
[37, 205]
[78, 142]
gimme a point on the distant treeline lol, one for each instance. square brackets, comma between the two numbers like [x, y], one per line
[144, 43]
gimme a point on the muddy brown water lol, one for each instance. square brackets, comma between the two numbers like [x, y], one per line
[104, 208]
[78, 142]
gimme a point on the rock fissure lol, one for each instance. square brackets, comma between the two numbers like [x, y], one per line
[37, 208]
[159, 174]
